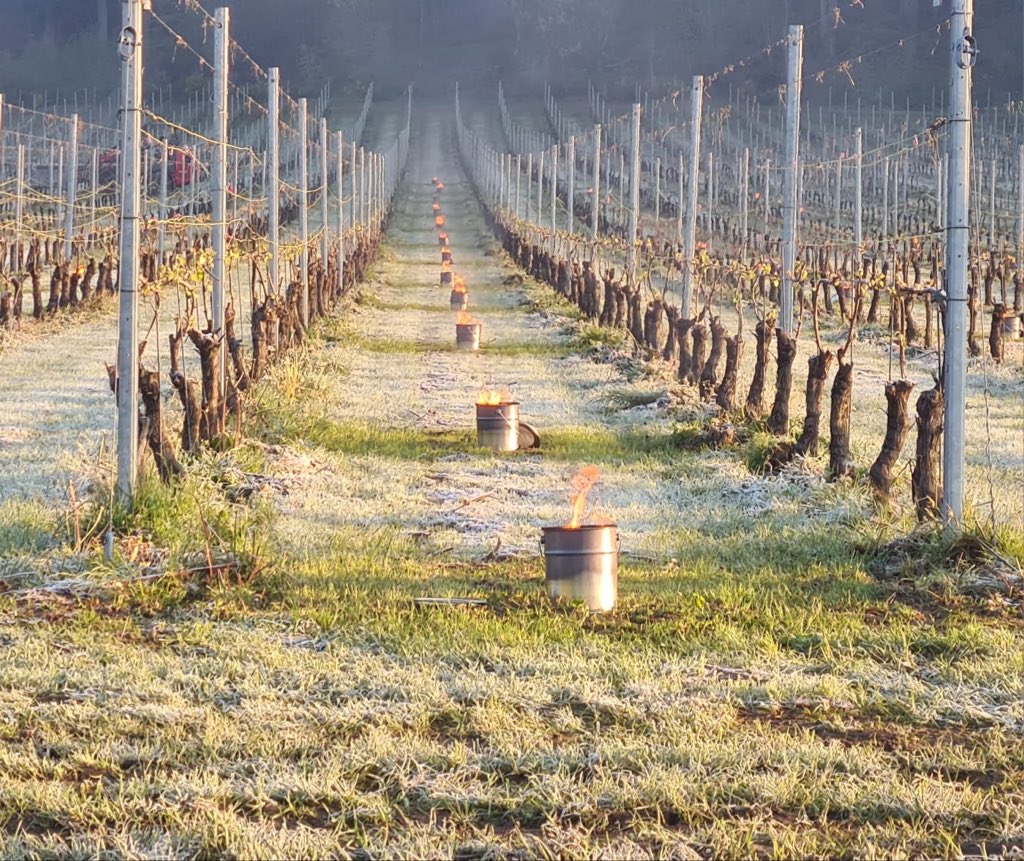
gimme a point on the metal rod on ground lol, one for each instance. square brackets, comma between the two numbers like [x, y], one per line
[304, 209]
[222, 67]
[790, 211]
[72, 188]
[274, 179]
[634, 193]
[595, 220]
[130, 50]
[963, 53]
[690, 239]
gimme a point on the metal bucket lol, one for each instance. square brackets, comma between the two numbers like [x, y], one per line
[582, 564]
[460, 301]
[446, 257]
[497, 426]
[1011, 327]
[442, 239]
[467, 336]
[446, 279]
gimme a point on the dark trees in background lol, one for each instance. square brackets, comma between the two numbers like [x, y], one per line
[615, 43]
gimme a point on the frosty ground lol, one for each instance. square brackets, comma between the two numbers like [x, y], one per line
[772, 684]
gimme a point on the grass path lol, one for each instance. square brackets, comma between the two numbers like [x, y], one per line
[759, 692]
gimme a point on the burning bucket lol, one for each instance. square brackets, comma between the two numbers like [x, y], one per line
[442, 239]
[582, 564]
[446, 254]
[497, 426]
[467, 334]
[459, 300]
[581, 561]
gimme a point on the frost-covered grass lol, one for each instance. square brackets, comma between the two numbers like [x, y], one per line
[766, 686]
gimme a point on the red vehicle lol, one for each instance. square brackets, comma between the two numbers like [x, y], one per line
[183, 170]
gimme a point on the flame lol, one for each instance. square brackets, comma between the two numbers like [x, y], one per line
[440, 186]
[582, 482]
[460, 284]
[493, 397]
[463, 319]
[446, 266]
[439, 221]
[437, 207]
[443, 236]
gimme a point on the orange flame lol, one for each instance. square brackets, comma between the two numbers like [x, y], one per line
[460, 284]
[493, 397]
[443, 236]
[446, 266]
[437, 207]
[582, 482]
[439, 221]
[440, 186]
[463, 319]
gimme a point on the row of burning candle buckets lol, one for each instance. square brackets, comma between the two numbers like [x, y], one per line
[581, 560]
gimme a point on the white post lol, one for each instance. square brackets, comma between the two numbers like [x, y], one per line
[93, 194]
[161, 228]
[72, 188]
[858, 198]
[634, 192]
[595, 220]
[304, 209]
[570, 203]
[744, 201]
[19, 204]
[130, 50]
[885, 200]
[519, 175]
[540, 188]
[682, 199]
[325, 147]
[992, 204]
[838, 199]
[690, 240]
[274, 179]
[957, 245]
[222, 69]
[362, 188]
[657, 190]
[353, 198]
[1020, 206]
[341, 211]
[790, 207]
[554, 195]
